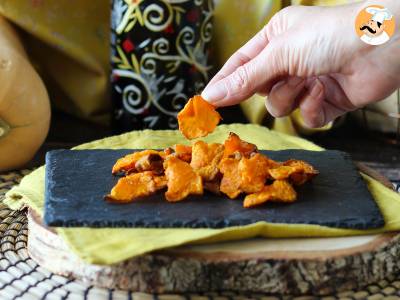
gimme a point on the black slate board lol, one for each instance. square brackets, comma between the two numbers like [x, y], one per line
[76, 182]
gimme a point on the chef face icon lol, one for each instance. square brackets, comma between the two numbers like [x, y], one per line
[372, 28]
[375, 25]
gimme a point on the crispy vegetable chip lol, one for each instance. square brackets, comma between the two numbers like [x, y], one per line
[307, 171]
[233, 144]
[135, 186]
[254, 172]
[182, 180]
[150, 162]
[278, 191]
[198, 118]
[232, 168]
[168, 151]
[205, 159]
[297, 171]
[127, 163]
[282, 172]
[183, 152]
[179, 148]
[231, 180]
[300, 164]
[160, 182]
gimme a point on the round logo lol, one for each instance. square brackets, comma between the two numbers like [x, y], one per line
[375, 25]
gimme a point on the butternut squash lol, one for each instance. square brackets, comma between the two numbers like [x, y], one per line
[24, 103]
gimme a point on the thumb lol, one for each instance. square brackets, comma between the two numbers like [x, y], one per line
[257, 74]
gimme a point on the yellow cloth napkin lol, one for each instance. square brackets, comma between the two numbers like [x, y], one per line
[107, 246]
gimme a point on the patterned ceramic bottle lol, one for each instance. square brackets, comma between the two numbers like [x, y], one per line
[160, 58]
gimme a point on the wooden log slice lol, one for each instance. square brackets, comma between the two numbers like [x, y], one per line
[317, 266]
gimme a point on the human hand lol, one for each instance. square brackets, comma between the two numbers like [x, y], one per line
[311, 58]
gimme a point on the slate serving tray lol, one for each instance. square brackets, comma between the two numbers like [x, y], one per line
[77, 180]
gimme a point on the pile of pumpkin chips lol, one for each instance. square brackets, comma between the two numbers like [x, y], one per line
[232, 168]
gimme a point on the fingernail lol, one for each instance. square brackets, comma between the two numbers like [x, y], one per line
[295, 81]
[316, 88]
[215, 92]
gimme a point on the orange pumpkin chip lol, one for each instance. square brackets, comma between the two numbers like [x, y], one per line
[233, 168]
[307, 171]
[281, 172]
[198, 118]
[179, 148]
[297, 171]
[205, 159]
[160, 182]
[254, 172]
[135, 186]
[183, 152]
[182, 180]
[278, 191]
[231, 180]
[127, 163]
[150, 162]
[233, 144]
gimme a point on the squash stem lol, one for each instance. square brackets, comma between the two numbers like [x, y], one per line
[4, 128]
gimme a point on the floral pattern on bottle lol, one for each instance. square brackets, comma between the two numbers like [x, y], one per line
[160, 53]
